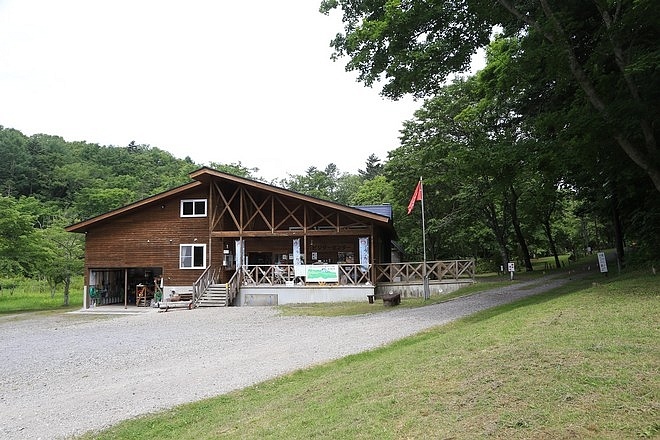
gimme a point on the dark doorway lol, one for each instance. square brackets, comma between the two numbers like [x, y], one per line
[260, 258]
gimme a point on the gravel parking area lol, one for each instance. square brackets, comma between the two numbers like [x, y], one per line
[66, 374]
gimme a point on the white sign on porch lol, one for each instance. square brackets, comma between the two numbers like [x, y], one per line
[364, 252]
[298, 266]
[240, 251]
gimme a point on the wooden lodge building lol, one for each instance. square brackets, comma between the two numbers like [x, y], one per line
[223, 239]
[226, 240]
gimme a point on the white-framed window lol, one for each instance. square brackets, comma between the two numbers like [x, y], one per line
[193, 208]
[192, 256]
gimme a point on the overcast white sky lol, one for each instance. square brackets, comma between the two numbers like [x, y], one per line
[222, 81]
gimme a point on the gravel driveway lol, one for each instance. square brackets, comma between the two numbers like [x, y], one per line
[67, 374]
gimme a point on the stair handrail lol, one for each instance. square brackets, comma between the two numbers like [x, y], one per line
[207, 278]
[233, 286]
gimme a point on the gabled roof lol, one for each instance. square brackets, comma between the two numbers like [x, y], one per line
[84, 225]
[206, 175]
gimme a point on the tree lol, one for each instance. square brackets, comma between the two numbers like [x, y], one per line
[93, 201]
[16, 236]
[453, 201]
[375, 191]
[607, 48]
[348, 185]
[316, 183]
[373, 168]
[236, 169]
[61, 256]
[15, 163]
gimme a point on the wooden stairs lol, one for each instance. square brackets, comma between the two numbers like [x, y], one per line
[214, 296]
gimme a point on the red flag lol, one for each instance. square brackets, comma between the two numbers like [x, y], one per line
[417, 195]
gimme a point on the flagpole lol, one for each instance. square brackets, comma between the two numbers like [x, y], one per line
[425, 279]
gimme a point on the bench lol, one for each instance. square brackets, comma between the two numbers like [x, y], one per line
[166, 305]
[392, 299]
[177, 301]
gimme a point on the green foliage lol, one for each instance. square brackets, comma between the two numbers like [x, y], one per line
[414, 45]
[373, 168]
[90, 177]
[493, 151]
[61, 257]
[48, 183]
[94, 201]
[348, 185]
[17, 243]
[322, 184]
[594, 60]
[367, 187]
[15, 163]
[236, 169]
[375, 191]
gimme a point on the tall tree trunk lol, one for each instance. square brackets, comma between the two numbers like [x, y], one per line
[618, 232]
[67, 284]
[551, 241]
[513, 207]
[498, 229]
[504, 255]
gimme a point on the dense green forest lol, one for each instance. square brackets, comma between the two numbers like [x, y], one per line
[549, 149]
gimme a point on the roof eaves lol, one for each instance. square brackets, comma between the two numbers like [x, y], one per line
[85, 224]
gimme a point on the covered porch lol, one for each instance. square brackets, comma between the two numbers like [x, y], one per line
[277, 284]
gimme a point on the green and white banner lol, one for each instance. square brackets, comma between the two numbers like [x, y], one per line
[322, 273]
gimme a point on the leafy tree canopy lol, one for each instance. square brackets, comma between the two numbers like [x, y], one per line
[607, 49]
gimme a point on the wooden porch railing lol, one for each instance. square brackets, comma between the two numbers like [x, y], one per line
[271, 275]
[349, 274]
[435, 270]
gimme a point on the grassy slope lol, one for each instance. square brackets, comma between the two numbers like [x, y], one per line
[580, 362]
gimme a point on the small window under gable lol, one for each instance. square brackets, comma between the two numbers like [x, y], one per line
[193, 208]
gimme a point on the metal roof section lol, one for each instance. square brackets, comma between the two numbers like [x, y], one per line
[385, 209]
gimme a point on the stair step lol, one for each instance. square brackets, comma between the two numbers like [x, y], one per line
[214, 296]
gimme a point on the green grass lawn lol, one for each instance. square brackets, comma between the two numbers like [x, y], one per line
[358, 308]
[579, 362]
[25, 295]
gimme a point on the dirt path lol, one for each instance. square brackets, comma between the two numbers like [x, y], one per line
[66, 374]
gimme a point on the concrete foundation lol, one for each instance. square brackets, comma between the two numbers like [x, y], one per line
[416, 290]
[279, 295]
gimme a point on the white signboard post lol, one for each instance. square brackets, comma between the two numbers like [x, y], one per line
[511, 267]
[602, 262]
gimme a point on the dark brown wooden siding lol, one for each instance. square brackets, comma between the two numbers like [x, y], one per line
[150, 237]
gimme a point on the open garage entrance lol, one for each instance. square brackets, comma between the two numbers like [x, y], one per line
[133, 286]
